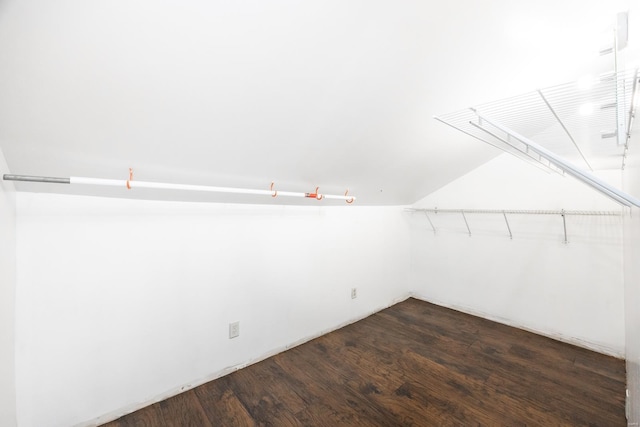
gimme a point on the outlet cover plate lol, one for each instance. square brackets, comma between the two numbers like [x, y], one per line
[234, 329]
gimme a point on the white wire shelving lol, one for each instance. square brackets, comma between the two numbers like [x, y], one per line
[570, 129]
[506, 212]
[577, 120]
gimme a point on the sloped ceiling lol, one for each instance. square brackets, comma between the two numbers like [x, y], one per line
[336, 94]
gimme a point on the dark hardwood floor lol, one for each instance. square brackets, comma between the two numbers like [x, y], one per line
[412, 364]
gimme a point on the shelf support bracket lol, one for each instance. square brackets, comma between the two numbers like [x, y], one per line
[466, 223]
[575, 144]
[507, 222]
[564, 225]
[431, 223]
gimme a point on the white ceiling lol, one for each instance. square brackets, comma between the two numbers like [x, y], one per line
[336, 94]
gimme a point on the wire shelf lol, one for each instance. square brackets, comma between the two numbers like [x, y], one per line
[517, 212]
[578, 121]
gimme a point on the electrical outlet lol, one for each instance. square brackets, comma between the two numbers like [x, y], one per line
[234, 329]
[627, 405]
[354, 293]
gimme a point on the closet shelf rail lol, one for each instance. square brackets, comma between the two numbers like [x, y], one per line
[505, 212]
[130, 183]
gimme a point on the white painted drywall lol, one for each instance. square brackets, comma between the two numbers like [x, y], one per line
[121, 302]
[7, 299]
[631, 181]
[631, 184]
[632, 300]
[572, 291]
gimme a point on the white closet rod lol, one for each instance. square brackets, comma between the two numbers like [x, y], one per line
[130, 183]
[583, 176]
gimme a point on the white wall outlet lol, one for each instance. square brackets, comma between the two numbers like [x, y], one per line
[627, 405]
[234, 329]
[354, 293]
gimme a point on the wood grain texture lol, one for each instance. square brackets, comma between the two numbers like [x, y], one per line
[146, 417]
[413, 364]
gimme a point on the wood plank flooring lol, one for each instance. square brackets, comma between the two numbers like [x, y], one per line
[412, 364]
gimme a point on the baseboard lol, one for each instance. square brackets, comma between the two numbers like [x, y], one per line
[597, 347]
[114, 415]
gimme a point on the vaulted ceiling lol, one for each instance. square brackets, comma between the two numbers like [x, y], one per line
[336, 94]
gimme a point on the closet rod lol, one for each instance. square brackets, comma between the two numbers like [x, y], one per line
[130, 183]
[585, 177]
[518, 153]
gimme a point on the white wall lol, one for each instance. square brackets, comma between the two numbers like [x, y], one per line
[572, 292]
[7, 299]
[631, 182]
[123, 302]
